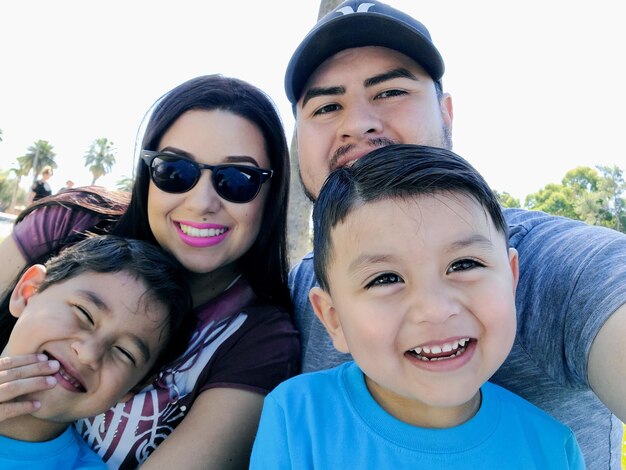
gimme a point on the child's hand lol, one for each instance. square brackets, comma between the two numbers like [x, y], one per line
[20, 375]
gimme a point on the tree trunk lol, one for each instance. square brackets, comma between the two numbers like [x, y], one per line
[299, 213]
[11, 209]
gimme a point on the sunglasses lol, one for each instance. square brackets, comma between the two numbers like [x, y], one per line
[174, 174]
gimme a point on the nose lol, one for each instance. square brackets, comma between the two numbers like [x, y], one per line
[360, 120]
[88, 351]
[202, 198]
[434, 303]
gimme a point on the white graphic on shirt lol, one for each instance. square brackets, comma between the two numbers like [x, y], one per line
[135, 428]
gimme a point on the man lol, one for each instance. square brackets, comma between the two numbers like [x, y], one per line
[368, 75]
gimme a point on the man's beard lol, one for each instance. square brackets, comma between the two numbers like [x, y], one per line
[443, 141]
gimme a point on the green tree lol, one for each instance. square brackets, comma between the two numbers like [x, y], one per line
[6, 190]
[124, 184]
[18, 195]
[10, 193]
[38, 155]
[100, 158]
[611, 187]
[506, 200]
[555, 199]
[592, 195]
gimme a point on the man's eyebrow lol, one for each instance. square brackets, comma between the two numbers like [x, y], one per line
[322, 91]
[383, 77]
[400, 72]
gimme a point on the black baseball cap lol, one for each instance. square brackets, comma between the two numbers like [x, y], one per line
[357, 23]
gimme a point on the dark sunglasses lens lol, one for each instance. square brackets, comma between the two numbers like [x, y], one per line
[175, 175]
[236, 184]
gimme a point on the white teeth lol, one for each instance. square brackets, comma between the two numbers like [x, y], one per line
[63, 373]
[201, 232]
[458, 346]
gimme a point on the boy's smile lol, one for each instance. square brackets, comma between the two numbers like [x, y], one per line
[68, 378]
[424, 301]
[105, 330]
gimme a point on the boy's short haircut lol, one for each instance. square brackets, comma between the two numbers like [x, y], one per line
[391, 172]
[163, 275]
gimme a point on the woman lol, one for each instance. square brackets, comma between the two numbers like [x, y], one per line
[211, 188]
[41, 187]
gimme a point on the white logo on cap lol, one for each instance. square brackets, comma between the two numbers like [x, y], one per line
[363, 7]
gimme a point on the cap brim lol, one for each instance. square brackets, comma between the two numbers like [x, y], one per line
[357, 30]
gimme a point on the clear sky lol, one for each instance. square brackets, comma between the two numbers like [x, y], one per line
[539, 87]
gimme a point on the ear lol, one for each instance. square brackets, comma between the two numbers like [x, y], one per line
[323, 307]
[25, 288]
[514, 264]
[445, 105]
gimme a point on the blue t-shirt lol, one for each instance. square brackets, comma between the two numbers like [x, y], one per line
[66, 452]
[329, 420]
[572, 278]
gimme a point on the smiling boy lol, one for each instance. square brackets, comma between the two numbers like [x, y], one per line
[101, 311]
[417, 283]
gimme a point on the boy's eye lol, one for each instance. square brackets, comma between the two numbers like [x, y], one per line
[126, 355]
[384, 279]
[464, 265]
[329, 108]
[85, 314]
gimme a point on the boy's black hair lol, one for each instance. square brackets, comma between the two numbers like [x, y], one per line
[162, 274]
[394, 171]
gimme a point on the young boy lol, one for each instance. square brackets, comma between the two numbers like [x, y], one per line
[105, 309]
[417, 283]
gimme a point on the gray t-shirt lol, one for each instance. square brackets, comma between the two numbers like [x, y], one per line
[572, 278]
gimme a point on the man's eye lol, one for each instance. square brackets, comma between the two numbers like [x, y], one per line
[329, 108]
[126, 355]
[84, 314]
[390, 93]
[384, 279]
[464, 265]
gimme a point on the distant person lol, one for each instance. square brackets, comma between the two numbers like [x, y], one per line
[41, 188]
[417, 282]
[69, 184]
[108, 312]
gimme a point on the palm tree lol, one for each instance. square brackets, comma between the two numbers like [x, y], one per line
[19, 173]
[38, 155]
[100, 158]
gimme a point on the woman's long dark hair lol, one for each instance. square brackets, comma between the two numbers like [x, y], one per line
[265, 265]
